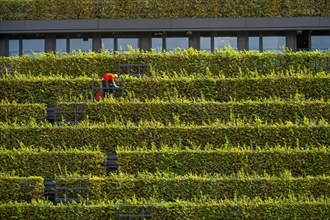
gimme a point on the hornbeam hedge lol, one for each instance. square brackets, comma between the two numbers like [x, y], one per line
[185, 111]
[229, 88]
[108, 136]
[166, 187]
[15, 112]
[179, 111]
[21, 188]
[291, 208]
[228, 63]
[40, 90]
[227, 162]
[44, 90]
[48, 164]
[87, 9]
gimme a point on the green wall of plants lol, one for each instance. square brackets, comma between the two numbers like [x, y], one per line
[273, 161]
[87, 9]
[48, 164]
[228, 209]
[108, 136]
[228, 63]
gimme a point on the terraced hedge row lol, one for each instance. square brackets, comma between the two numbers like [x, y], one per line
[229, 63]
[184, 111]
[87, 9]
[239, 209]
[226, 162]
[189, 187]
[166, 187]
[44, 91]
[11, 112]
[21, 189]
[48, 164]
[107, 137]
[47, 91]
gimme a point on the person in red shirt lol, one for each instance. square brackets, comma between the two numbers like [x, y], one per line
[108, 79]
[108, 82]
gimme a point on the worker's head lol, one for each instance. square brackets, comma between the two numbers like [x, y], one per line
[115, 76]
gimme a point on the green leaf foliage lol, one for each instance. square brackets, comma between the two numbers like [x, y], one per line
[21, 188]
[226, 162]
[107, 137]
[44, 91]
[47, 91]
[224, 209]
[48, 164]
[203, 131]
[188, 112]
[87, 9]
[169, 187]
[15, 112]
[225, 62]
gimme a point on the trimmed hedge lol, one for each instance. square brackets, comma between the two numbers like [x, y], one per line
[227, 162]
[107, 137]
[87, 9]
[21, 188]
[184, 111]
[48, 164]
[231, 88]
[15, 112]
[169, 187]
[42, 90]
[47, 91]
[228, 209]
[284, 87]
[229, 63]
[189, 187]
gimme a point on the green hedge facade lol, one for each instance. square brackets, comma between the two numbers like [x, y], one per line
[227, 162]
[87, 9]
[48, 164]
[204, 112]
[14, 112]
[107, 137]
[21, 189]
[178, 112]
[229, 63]
[44, 91]
[48, 91]
[169, 187]
[146, 186]
[269, 209]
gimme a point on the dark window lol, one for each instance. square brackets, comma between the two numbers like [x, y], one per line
[31, 46]
[273, 43]
[157, 44]
[108, 44]
[173, 43]
[321, 43]
[81, 44]
[125, 44]
[205, 44]
[13, 47]
[221, 42]
[254, 43]
[61, 45]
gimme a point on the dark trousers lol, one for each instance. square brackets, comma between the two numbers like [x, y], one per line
[107, 87]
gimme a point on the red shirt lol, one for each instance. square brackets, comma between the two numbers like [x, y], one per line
[108, 77]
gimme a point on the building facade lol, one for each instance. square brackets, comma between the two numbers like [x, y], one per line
[208, 34]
